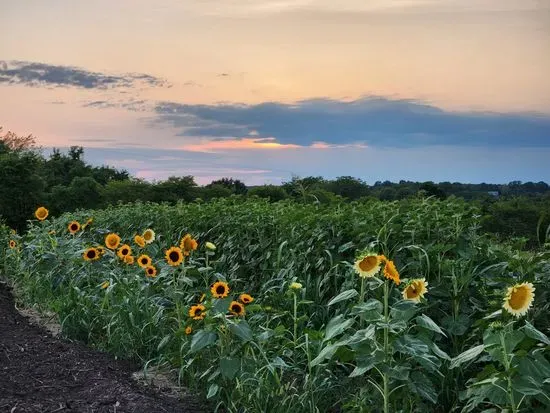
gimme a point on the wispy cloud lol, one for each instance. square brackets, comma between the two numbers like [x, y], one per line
[42, 74]
[373, 121]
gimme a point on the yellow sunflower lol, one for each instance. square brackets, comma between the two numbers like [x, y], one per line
[245, 298]
[519, 298]
[151, 271]
[368, 265]
[149, 235]
[123, 251]
[129, 259]
[220, 289]
[140, 241]
[188, 330]
[236, 308]
[91, 254]
[415, 290]
[41, 213]
[105, 284]
[174, 256]
[188, 244]
[391, 272]
[73, 227]
[112, 241]
[87, 223]
[144, 261]
[13, 244]
[197, 312]
[100, 249]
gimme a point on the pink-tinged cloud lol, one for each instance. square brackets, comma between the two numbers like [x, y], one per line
[238, 144]
[324, 145]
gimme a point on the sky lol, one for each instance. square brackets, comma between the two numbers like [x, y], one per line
[263, 90]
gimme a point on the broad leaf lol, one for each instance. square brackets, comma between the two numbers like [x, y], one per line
[242, 330]
[467, 356]
[531, 331]
[229, 367]
[336, 326]
[202, 339]
[426, 322]
[346, 295]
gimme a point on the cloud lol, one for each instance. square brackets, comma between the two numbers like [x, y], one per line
[371, 120]
[42, 74]
[129, 104]
[218, 145]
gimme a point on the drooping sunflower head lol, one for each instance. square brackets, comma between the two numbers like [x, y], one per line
[112, 241]
[368, 265]
[151, 271]
[391, 272]
[148, 235]
[144, 261]
[13, 244]
[197, 312]
[219, 289]
[236, 308]
[105, 284]
[519, 299]
[73, 227]
[174, 256]
[245, 298]
[91, 254]
[188, 330]
[129, 259]
[415, 290]
[140, 241]
[188, 244]
[41, 213]
[123, 251]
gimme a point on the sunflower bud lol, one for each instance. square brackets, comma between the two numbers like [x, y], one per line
[210, 246]
[295, 286]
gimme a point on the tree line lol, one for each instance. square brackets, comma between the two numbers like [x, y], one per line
[65, 182]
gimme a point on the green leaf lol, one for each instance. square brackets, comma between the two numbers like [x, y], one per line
[229, 367]
[221, 305]
[421, 385]
[531, 331]
[212, 390]
[242, 330]
[326, 353]
[410, 345]
[371, 304]
[438, 352]
[467, 355]
[336, 326]
[202, 339]
[163, 342]
[346, 295]
[427, 323]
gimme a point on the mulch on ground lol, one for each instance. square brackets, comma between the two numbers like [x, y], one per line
[40, 373]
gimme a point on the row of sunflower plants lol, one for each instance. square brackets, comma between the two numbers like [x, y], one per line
[275, 317]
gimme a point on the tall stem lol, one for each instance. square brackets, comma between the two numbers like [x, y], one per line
[508, 375]
[386, 347]
[295, 316]
[361, 300]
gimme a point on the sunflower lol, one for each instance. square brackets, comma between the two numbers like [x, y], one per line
[140, 241]
[220, 289]
[245, 298]
[144, 261]
[104, 284]
[87, 223]
[100, 249]
[295, 286]
[149, 235]
[391, 272]
[112, 241]
[73, 227]
[210, 246]
[197, 312]
[123, 251]
[188, 244]
[129, 259]
[174, 256]
[41, 213]
[519, 299]
[151, 271]
[415, 290]
[188, 330]
[91, 254]
[13, 244]
[368, 265]
[236, 308]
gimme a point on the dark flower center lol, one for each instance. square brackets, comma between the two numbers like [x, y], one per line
[236, 308]
[220, 289]
[174, 256]
[74, 227]
[124, 251]
[198, 312]
[91, 254]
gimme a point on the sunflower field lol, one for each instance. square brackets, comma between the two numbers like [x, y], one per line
[288, 307]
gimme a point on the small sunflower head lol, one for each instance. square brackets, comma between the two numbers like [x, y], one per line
[148, 235]
[123, 251]
[129, 259]
[73, 227]
[139, 241]
[245, 298]
[237, 308]
[220, 289]
[13, 243]
[91, 254]
[197, 312]
[391, 272]
[144, 261]
[210, 246]
[112, 241]
[295, 286]
[415, 290]
[174, 256]
[41, 213]
[151, 271]
[368, 264]
[519, 299]
[104, 285]
[188, 330]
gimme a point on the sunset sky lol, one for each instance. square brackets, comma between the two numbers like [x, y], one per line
[260, 90]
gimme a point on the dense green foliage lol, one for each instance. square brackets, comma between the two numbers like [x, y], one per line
[336, 343]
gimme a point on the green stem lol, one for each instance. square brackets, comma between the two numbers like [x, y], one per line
[508, 375]
[295, 336]
[386, 347]
[361, 300]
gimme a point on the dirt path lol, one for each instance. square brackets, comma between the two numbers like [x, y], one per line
[39, 373]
